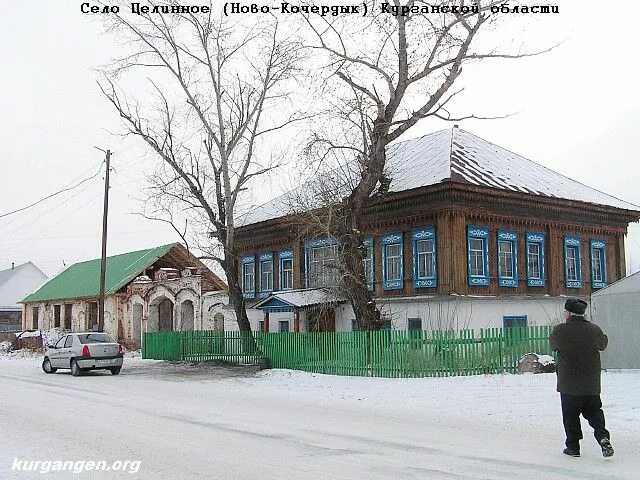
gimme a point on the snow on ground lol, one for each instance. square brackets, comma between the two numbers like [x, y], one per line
[216, 422]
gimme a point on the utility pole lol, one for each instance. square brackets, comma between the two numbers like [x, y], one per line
[103, 260]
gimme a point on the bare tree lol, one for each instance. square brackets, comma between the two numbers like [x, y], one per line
[386, 72]
[219, 87]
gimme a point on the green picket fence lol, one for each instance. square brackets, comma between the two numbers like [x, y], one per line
[381, 354]
[200, 346]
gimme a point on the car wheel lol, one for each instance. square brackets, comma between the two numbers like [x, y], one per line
[115, 370]
[46, 366]
[75, 369]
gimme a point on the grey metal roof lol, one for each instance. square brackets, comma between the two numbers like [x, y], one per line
[17, 282]
[629, 285]
[459, 156]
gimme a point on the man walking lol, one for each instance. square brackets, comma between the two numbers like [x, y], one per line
[578, 343]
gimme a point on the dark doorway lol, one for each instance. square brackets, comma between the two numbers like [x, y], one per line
[67, 317]
[56, 315]
[165, 315]
[92, 316]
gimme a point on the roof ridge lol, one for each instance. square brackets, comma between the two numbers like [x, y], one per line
[486, 164]
[421, 136]
[80, 280]
[394, 144]
[546, 168]
[8, 273]
[450, 156]
[121, 254]
[616, 282]
[16, 267]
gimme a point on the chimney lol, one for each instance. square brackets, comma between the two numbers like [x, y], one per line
[455, 125]
[12, 265]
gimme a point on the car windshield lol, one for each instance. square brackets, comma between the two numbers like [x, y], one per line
[95, 338]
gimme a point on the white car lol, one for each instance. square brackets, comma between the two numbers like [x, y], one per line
[82, 352]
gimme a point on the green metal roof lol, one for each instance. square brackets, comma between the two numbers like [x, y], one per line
[82, 279]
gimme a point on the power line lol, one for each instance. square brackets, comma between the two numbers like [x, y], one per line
[63, 218]
[83, 235]
[7, 233]
[66, 189]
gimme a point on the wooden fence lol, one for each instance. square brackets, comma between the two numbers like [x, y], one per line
[380, 354]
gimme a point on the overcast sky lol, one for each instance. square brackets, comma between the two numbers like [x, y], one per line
[577, 112]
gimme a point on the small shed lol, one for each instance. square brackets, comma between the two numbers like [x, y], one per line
[615, 310]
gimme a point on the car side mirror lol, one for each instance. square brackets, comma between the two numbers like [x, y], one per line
[51, 346]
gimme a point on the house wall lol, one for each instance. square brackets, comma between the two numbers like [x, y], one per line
[442, 312]
[450, 208]
[179, 291]
[458, 313]
[451, 257]
[79, 315]
[216, 304]
[436, 313]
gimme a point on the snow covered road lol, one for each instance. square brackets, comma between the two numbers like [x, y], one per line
[214, 423]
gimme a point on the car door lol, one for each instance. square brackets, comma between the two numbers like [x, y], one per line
[65, 354]
[54, 353]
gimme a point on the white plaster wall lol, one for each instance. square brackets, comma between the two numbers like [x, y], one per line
[182, 296]
[79, 315]
[127, 317]
[110, 316]
[275, 318]
[459, 313]
[436, 313]
[47, 318]
[617, 315]
[28, 315]
[218, 303]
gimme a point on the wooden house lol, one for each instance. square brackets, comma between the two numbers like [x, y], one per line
[469, 235]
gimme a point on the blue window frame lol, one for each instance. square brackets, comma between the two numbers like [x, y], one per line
[321, 262]
[535, 259]
[266, 274]
[285, 269]
[572, 262]
[249, 276]
[598, 264]
[514, 321]
[367, 262]
[354, 325]
[478, 255]
[392, 261]
[507, 258]
[424, 257]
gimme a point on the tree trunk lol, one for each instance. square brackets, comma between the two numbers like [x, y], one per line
[355, 282]
[237, 300]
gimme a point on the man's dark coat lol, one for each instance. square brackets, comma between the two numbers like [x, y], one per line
[578, 343]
